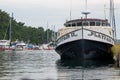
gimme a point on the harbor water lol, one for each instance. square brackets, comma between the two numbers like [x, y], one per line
[46, 65]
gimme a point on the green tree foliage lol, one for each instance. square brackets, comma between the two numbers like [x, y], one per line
[23, 33]
[4, 17]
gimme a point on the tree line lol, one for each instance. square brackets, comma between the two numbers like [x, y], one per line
[21, 32]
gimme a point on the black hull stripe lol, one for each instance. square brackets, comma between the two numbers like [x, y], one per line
[85, 49]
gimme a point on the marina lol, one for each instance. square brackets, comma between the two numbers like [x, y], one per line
[34, 45]
[46, 65]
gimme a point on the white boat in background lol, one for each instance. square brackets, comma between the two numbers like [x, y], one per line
[20, 46]
[48, 46]
[5, 45]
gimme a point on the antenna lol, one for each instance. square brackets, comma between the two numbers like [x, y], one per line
[86, 12]
[112, 17]
[105, 11]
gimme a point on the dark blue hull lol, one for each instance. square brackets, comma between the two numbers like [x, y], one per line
[85, 49]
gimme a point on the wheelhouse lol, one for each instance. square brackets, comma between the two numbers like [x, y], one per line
[87, 22]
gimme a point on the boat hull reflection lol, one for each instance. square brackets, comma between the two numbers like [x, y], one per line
[84, 63]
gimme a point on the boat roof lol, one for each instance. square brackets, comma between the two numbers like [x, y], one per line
[87, 22]
[87, 19]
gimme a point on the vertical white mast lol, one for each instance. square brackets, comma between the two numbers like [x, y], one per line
[47, 32]
[10, 27]
[86, 12]
[112, 17]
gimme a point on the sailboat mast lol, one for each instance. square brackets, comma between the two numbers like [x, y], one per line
[10, 27]
[86, 12]
[47, 33]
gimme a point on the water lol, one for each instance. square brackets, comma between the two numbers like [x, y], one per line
[46, 65]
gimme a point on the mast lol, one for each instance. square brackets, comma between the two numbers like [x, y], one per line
[53, 35]
[70, 9]
[10, 37]
[86, 12]
[47, 33]
[112, 17]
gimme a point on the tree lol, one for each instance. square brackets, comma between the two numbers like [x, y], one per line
[22, 32]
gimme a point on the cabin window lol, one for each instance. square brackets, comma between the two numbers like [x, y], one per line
[97, 23]
[92, 23]
[69, 25]
[79, 24]
[73, 24]
[107, 24]
[85, 23]
[103, 24]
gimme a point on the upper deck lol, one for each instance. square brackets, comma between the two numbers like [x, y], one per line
[87, 22]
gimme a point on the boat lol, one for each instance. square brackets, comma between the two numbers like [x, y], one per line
[48, 46]
[85, 38]
[20, 46]
[5, 45]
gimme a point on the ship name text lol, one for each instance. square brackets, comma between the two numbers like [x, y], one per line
[67, 36]
[101, 36]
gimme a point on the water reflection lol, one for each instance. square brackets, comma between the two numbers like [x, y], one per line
[83, 63]
[5, 59]
[28, 65]
[46, 65]
[84, 70]
[8, 56]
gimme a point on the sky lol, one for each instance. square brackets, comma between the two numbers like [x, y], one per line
[40, 13]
